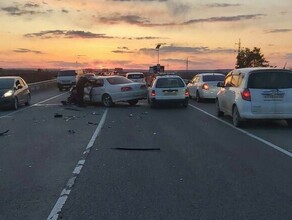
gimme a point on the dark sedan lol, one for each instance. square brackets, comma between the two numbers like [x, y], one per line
[13, 92]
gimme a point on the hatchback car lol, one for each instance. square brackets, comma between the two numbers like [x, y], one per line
[256, 93]
[111, 89]
[136, 77]
[13, 92]
[204, 85]
[168, 89]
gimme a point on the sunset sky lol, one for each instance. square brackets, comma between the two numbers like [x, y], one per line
[124, 33]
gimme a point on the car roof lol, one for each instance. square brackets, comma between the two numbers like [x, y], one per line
[250, 69]
[10, 77]
[134, 73]
[106, 77]
[205, 74]
[167, 76]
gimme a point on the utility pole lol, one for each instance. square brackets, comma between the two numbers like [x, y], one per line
[239, 46]
[187, 64]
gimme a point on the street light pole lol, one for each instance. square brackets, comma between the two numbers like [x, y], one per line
[157, 48]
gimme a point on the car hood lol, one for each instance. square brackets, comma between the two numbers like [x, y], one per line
[3, 91]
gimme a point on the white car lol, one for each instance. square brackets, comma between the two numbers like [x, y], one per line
[204, 85]
[111, 89]
[168, 89]
[136, 77]
[256, 93]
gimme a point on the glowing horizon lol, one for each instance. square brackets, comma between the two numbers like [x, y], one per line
[124, 34]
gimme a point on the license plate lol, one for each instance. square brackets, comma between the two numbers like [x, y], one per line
[170, 92]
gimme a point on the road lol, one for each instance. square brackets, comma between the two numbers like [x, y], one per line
[141, 163]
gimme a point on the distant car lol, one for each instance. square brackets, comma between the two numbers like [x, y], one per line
[111, 89]
[136, 77]
[67, 78]
[256, 93]
[13, 92]
[204, 85]
[168, 89]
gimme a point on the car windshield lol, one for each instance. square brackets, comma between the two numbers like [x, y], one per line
[135, 76]
[67, 73]
[270, 80]
[208, 78]
[6, 83]
[169, 83]
[118, 80]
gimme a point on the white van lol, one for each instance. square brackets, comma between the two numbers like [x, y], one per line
[136, 77]
[68, 78]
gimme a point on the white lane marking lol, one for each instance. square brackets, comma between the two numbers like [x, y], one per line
[66, 191]
[246, 132]
[28, 107]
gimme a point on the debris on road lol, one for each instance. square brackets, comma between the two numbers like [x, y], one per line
[72, 109]
[92, 123]
[136, 149]
[68, 118]
[3, 133]
[57, 115]
[71, 131]
[130, 115]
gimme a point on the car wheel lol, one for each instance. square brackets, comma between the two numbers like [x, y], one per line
[133, 102]
[15, 103]
[107, 100]
[219, 113]
[289, 122]
[28, 100]
[237, 120]
[198, 98]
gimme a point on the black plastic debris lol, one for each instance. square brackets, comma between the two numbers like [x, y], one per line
[92, 123]
[57, 115]
[72, 109]
[5, 132]
[65, 102]
[71, 131]
[136, 149]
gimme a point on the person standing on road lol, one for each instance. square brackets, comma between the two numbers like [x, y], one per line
[80, 85]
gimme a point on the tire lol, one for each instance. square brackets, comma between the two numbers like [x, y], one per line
[107, 100]
[15, 103]
[28, 100]
[198, 98]
[219, 113]
[289, 122]
[133, 102]
[236, 119]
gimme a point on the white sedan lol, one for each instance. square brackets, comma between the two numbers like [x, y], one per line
[111, 89]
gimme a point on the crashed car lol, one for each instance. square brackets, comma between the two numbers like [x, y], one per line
[111, 89]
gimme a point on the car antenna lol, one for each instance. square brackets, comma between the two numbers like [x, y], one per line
[285, 66]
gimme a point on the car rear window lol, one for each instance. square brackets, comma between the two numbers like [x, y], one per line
[208, 78]
[67, 73]
[118, 80]
[270, 80]
[6, 83]
[135, 76]
[169, 83]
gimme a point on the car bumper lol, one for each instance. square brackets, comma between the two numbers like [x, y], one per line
[208, 94]
[165, 101]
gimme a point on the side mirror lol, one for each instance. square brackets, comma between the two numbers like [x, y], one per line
[220, 84]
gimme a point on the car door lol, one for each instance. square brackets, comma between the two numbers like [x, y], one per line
[191, 86]
[94, 92]
[224, 93]
[18, 91]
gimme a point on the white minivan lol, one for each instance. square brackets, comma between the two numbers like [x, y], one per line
[256, 93]
[68, 78]
[136, 77]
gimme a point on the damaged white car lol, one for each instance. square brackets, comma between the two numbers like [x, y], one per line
[111, 89]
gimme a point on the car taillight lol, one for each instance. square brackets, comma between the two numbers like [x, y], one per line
[153, 93]
[127, 88]
[245, 94]
[205, 86]
[187, 93]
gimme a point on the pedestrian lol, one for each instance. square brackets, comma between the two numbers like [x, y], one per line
[80, 85]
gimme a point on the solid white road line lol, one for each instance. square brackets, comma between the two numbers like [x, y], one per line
[67, 189]
[246, 132]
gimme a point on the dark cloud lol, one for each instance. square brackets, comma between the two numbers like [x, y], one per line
[65, 11]
[222, 5]
[123, 48]
[224, 19]
[138, 0]
[144, 22]
[23, 50]
[178, 8]
[273, 31]
[65, 34]
[25, 9]
[190, 50]
[122, 51]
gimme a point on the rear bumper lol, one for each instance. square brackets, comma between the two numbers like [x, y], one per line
[165, 101]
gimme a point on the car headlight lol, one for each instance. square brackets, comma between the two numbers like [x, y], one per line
[8, 93]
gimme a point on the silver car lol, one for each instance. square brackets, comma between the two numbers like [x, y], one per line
[204, 85]
[13, 92]
[256, 93]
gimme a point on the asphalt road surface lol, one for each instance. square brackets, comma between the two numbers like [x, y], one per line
[141, 163]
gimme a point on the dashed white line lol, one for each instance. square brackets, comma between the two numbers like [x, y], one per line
[246, 132]
[66, 191]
